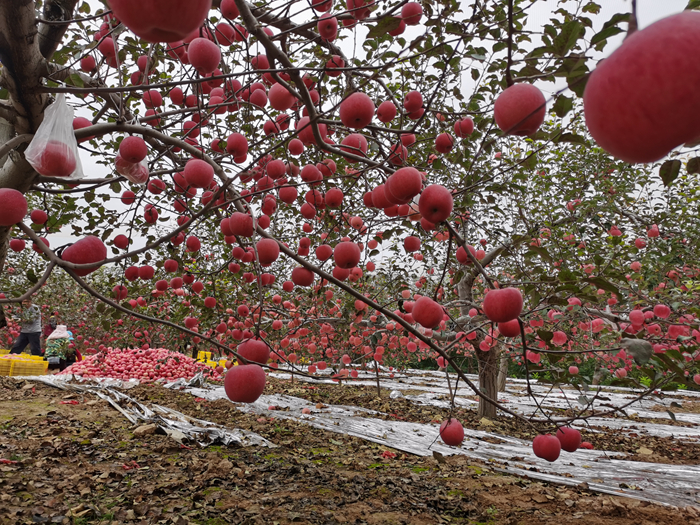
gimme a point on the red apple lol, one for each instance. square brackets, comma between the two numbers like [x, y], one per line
[403, 185]
[161, 20]
[411, 243]
[56, 160]
[355, 144]
[254, 351]
[444, 143]
[121, 241]
[435, 203]
[39, 216]
[14, 207]
[411, 13]
[520, 110]
[464, 127]
[241, 224]
[386, 111]
[413, 101]
[452, 432]
[244, 383]
[427, 312]
[503, 305]
[334, 63]
[462, 256]
[198, 173]
[89, 249]
[509, 328]
[327, 27]
[302, 277]
[546, 447]
[229, 9]
[268, 251]
[357, 111]
[17, 245]
[641, 102]
[133, 149]
[324, 252]
[204, 55]
[570, 438]
[346, 255]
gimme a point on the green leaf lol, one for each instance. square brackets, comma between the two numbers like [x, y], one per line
[554, 358]
[577, 83]
[603, 284]
[566, 39]
[542, 252]
[693, 4]
[583, 400]
[545, 335]
[386, 24]
[605, 34]
[529, 162]
[671, 414]
[567, 275]
[31, 276]
[591, 7]
[115, 187]
[616, 19]
[669, 171]
[693, 165]
[563, 105]
[75, 80]
[572, 138]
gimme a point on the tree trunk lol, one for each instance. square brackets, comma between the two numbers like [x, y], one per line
[488, 361]
[502, 372]
[488, 381]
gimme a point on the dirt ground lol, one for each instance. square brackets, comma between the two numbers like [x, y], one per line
[82, 463]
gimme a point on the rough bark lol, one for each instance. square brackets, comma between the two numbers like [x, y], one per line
[502, 372]
[488, 381]
[488, 363]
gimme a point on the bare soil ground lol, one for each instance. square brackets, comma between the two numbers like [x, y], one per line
[82, 464]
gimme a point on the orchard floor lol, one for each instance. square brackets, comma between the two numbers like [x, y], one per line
[82, 463]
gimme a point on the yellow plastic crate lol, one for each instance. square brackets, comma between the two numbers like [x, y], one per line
[4, 352]
[22, 367]
[30, 357]
[30, 368]
[203, 356]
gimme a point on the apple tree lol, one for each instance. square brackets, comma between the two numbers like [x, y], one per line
[359, 181]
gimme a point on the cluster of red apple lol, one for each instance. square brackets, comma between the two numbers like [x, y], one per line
[547, 446]
[144, 365]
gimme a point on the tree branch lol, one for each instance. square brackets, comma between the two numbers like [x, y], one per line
[58, 14]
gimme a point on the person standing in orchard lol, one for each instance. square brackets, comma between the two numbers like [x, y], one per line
[50, 327]
[30, 332]
[58, 352]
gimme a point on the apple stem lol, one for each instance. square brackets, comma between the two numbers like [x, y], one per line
[632, 27]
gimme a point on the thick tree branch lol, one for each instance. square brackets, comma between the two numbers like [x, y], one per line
[50, 32]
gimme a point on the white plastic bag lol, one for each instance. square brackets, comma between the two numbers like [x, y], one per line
[137, 173]
[53, 151]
